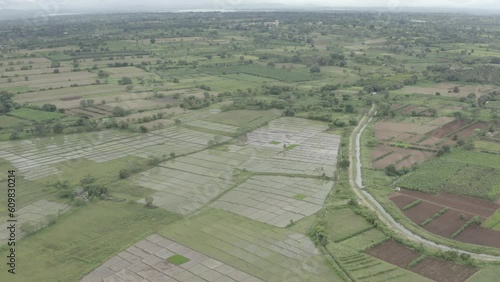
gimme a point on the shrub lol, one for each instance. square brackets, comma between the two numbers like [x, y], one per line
[124, 173]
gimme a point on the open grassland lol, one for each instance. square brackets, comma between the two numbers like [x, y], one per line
[270, 253]
[83, 239]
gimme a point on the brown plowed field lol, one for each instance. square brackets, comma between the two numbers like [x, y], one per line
[401, 200]
[395, 253]
[480, 236]
[422, 211]
[443, 271]
[465, 204]
[470, 130]
[448, 223]
[447, 128]
[398, 154]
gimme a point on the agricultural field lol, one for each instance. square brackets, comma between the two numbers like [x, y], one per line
[35, 115]
[445, 215]
[214, 146]
[270, 253]
[435, 269]
[158, 259]
[276, 200]
[460, 172]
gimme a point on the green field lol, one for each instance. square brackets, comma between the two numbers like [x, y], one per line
[35, 115]
[82, 240]
[493, 221]
[245, 118]
[8, 121]
[487, 146]
[250, 246]
[294, 75]
[460, 172]
[343, 223]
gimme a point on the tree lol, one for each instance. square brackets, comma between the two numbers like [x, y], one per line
[315, 69]
[83, 103]
[344, 163]
[124, 173]
[56, 71]
[143, 129]
[172, 155]
[6, 103]
[49, 108]
[58, 128]
[152, 41]
[391, 170]
[456, 89]
[125, 80]
[119, 111]
[149, 202]
[103, 74]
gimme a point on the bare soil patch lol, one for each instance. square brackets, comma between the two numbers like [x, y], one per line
[465, 204]
[443, 271]
[448, 223]
[401, 200]
[471, 129]
[394, 253]
[447, 128]
[480, 236]
[422, 211]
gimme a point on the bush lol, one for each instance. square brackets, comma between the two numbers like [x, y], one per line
[315, 69]
[124, 173]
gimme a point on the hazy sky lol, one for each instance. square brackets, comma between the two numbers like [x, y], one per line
[59, 5]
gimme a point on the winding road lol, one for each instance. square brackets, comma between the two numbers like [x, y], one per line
[366, 199]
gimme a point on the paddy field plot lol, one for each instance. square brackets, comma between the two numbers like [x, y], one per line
[187, 183]
[35, 158]
[37, 214]
[300, 147]
[276, 200]
[270, 253]
[157, 258]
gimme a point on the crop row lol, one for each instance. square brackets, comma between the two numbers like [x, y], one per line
[434, 216]
[475, 220]
[412, 204]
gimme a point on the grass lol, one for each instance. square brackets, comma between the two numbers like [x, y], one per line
[35, 115]
[105, 172]
[343, 223]
[245, 118]
[461, 172]
[177, 259]
[275, 142]
[247, 245]
[83, 239]
[487, 146]
[487, 274]
[300, 196]
[8, 121]
[290, 147]
[493, 221]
